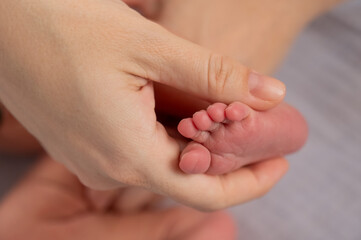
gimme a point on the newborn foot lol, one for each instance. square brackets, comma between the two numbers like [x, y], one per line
[226, 138]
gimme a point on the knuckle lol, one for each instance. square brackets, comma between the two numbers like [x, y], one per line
[218, 73]
[211, 203]
[125, 176]
[109, 176]
[224, 73]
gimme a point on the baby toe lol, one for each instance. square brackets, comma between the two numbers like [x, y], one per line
[237, 111]
[217, 112]
[202, 120]
[187, 129]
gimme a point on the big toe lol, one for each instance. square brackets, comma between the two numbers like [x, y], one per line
[195, 159]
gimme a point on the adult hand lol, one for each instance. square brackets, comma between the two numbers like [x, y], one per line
[78, 75]
[229, 27]
[50, 204]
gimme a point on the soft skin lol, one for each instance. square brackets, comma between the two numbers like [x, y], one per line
[50, 203]
[79, 76]
[257, 33]
[228, 137]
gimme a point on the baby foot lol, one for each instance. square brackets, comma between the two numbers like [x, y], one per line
[226, 138]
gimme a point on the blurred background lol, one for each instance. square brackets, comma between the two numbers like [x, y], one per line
[320, 197]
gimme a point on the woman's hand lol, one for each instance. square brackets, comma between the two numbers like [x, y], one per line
[51, 204]
[79, 76]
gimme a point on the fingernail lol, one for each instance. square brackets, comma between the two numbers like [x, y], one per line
[266, 88]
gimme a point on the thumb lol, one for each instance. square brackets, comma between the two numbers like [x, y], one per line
[188, 67]
[170, 224]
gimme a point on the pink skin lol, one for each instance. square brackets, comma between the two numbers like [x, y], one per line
[226, 138]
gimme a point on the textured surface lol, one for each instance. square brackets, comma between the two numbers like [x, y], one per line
[320, 198]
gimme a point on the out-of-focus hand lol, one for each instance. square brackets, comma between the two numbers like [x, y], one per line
[50, 203]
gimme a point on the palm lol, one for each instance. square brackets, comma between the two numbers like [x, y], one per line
[51, 204]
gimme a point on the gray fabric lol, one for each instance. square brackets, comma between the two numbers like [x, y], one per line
[320, 198]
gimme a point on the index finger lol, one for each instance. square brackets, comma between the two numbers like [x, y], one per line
[209, 193]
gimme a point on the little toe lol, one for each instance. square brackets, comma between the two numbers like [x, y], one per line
[237, 111]
[195, 159]
[202, 120]
[217, 112]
